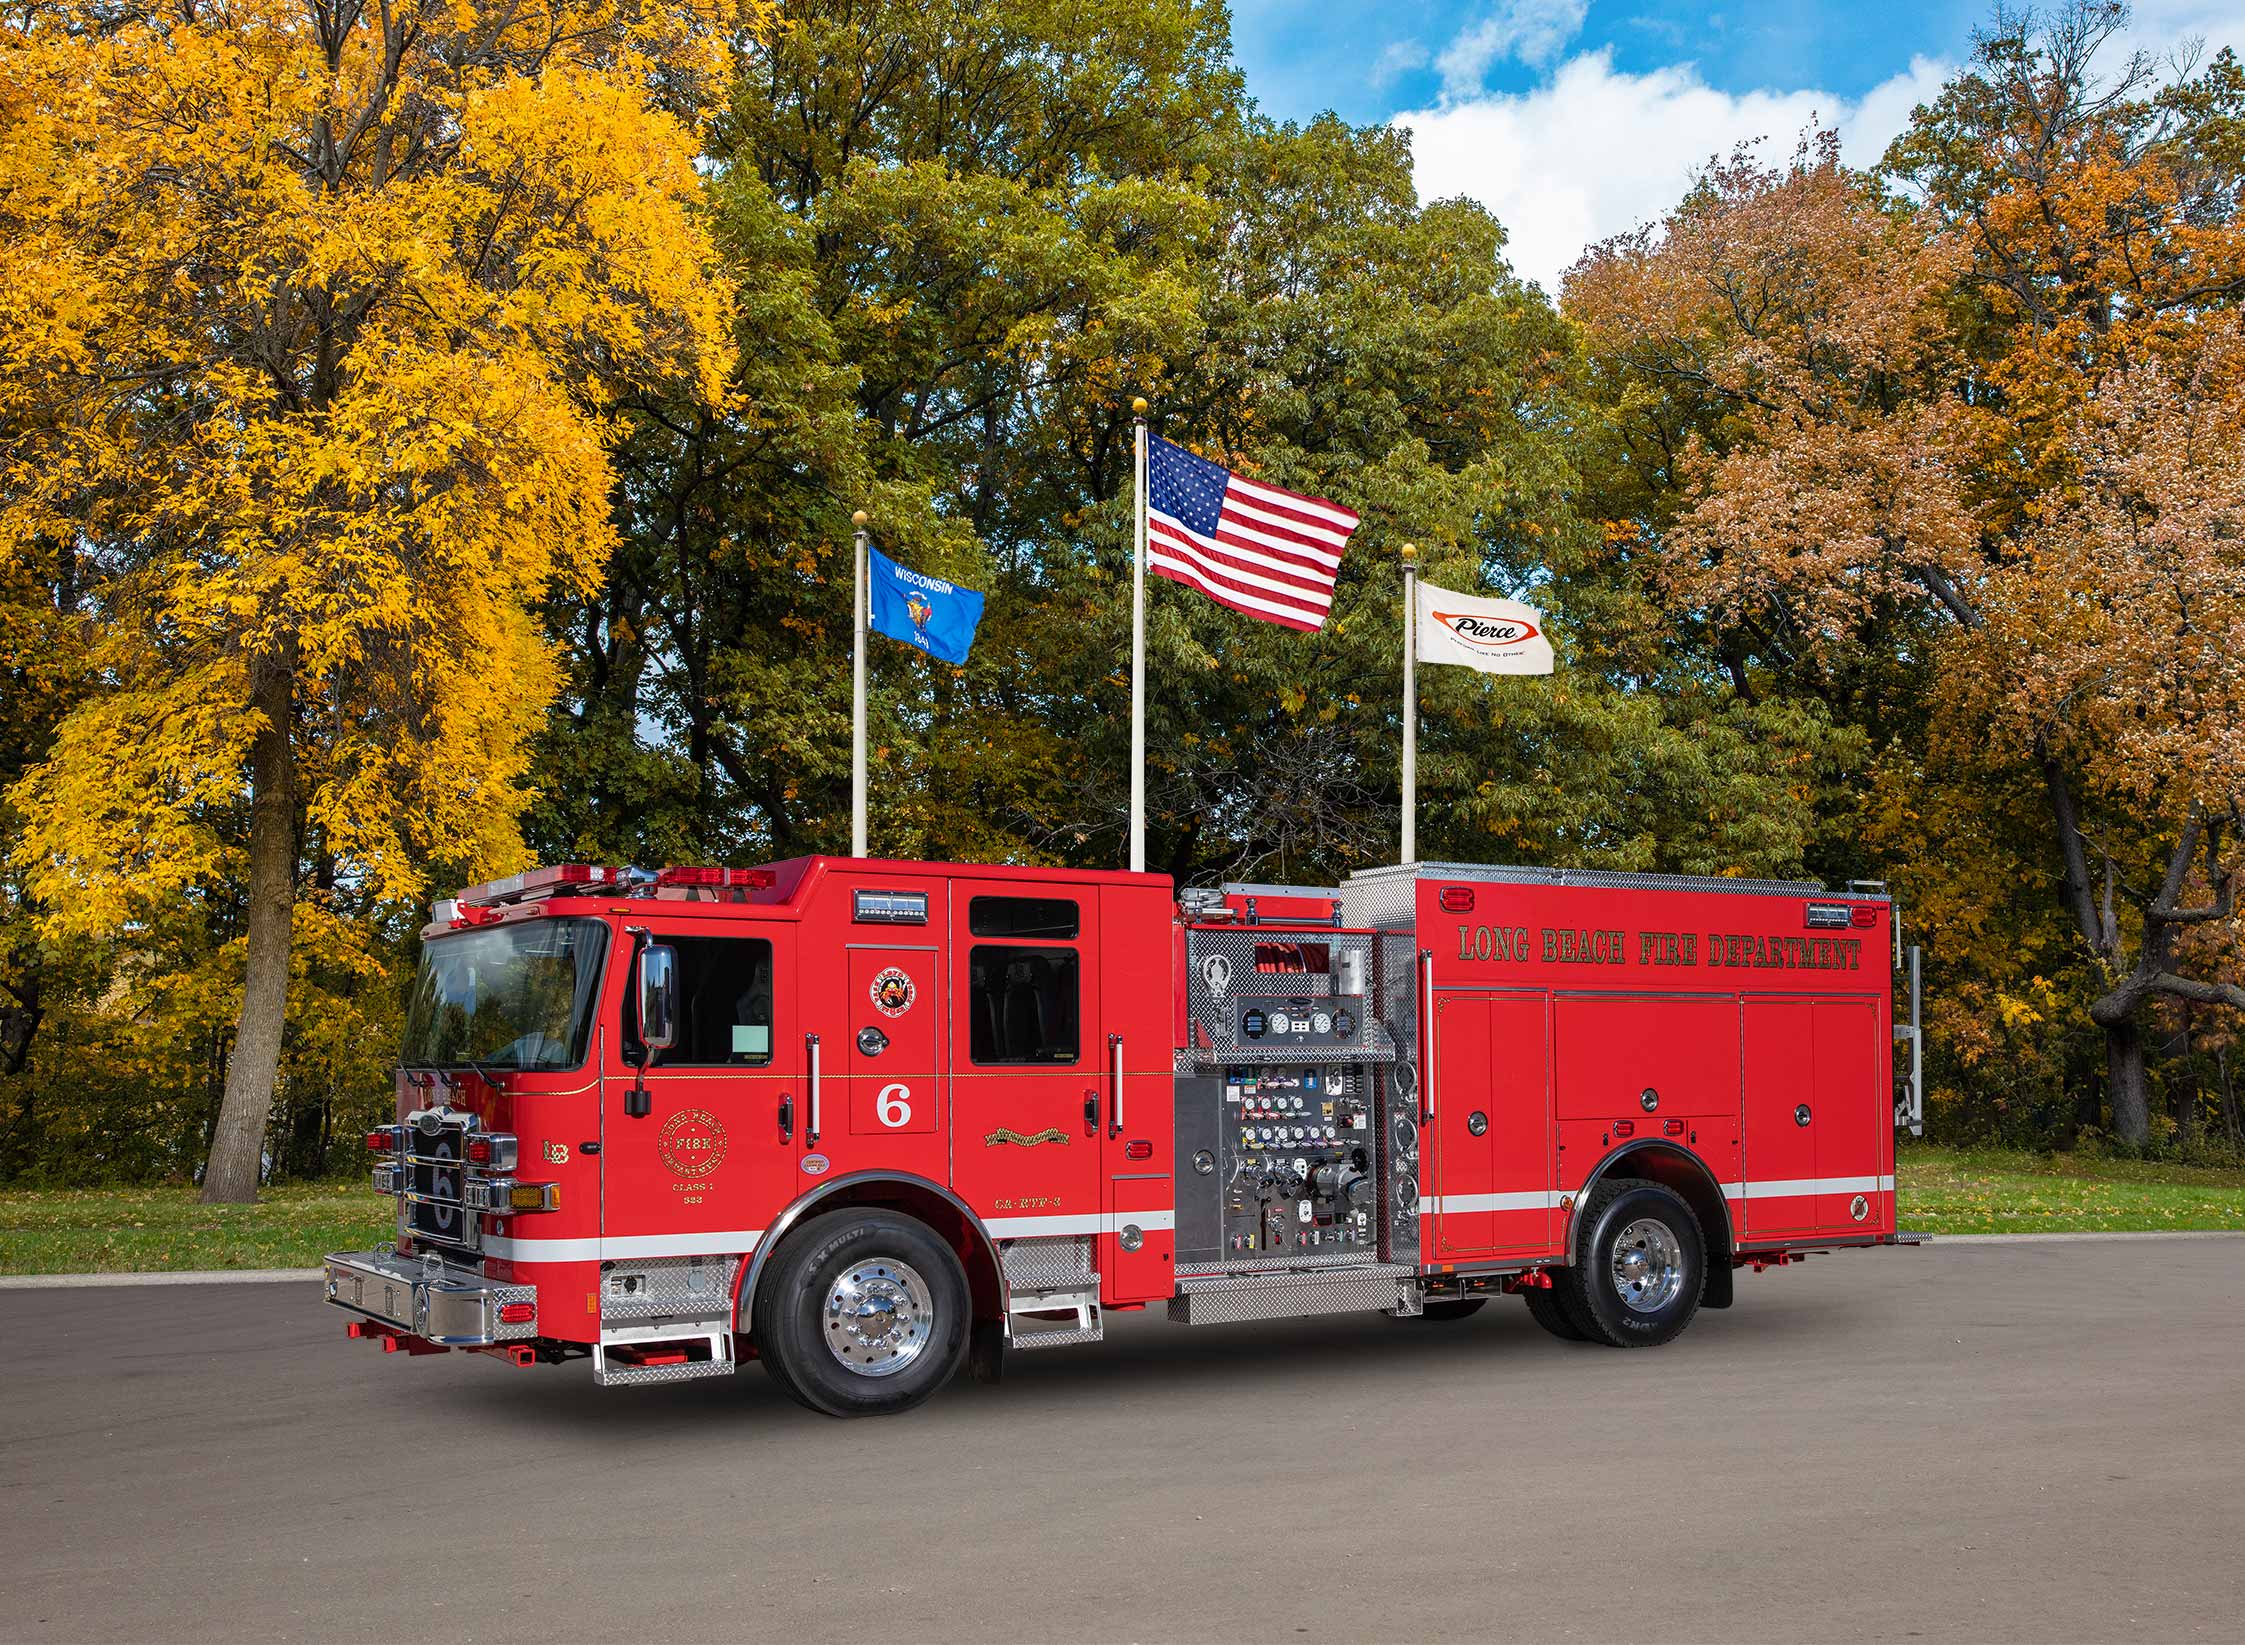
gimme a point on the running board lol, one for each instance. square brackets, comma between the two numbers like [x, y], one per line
[1235, 1298]
[1054, 1318]
[639, 1354]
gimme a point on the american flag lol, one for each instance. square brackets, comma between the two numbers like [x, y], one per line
[1270, 553]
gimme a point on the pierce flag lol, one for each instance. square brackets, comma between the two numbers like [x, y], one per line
[1494, 636]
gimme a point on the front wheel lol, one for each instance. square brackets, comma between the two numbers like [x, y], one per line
[863, 1313]
[1639, 1268]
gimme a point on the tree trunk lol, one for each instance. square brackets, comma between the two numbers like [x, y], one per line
[2124, 1078]
[238, 1145]
[2229, 1098]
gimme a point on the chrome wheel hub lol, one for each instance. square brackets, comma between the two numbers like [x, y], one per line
[877, 1317]
[1648, 1265]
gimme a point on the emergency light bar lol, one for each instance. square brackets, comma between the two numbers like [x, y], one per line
[719, 878]
[591, 879]
[544, 879]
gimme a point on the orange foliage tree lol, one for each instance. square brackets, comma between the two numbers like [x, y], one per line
[311, 314]
[1893, 425]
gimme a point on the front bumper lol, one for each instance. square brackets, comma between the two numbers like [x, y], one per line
[430, 1298]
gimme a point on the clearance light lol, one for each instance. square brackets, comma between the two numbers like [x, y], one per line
[535, 1196]
[1455, 899]
[517, 1313]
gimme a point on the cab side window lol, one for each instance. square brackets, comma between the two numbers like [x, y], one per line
[724, 1004]
[1023, 999]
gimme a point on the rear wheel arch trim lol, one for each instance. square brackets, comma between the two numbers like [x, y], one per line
[825, 1195]
[1722, 1239]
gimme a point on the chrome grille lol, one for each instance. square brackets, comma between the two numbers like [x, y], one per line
[435, 1177]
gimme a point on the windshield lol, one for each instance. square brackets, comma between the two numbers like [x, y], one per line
[507, 996]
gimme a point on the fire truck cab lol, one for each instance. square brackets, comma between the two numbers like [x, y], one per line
[869, 1120]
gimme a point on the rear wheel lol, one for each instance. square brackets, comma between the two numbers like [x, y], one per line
[863, 1313]
[1548, 1311]
[1639, 1269]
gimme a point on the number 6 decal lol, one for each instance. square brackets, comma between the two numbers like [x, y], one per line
[894, 1106]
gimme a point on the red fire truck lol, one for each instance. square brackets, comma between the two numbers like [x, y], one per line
[867, 1120]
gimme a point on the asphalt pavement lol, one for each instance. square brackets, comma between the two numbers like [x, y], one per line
[2029, 1442]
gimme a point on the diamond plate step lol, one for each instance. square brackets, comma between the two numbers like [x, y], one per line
[1381, 1287]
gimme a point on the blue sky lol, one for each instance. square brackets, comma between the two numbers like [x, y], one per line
[1576, 119]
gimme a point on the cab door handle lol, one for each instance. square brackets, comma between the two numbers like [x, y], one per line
[1091, 1112]
[787, 1118]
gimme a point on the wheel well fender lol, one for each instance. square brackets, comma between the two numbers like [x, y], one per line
[1687, 1175]
[913, 1196]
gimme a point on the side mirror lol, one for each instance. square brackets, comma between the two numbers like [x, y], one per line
[658, 997]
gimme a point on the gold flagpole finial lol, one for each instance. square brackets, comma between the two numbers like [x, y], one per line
[859, 518]
[1138, 407]
[1410, 551]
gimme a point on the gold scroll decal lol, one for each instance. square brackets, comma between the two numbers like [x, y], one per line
[1051, 1133]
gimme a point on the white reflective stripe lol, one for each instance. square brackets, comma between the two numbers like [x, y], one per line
[1537, 1200]
[1032, 1227]
[529, 1248]
[1797, 1187]
[532, 1249]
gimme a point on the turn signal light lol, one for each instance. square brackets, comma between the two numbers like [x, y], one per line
[534, 1196]
[517, 1313]
[384, 1141]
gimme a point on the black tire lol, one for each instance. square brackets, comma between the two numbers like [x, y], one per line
[1548, 1311]
[904, 1266]
[1657, 1223]
[1446, 1308]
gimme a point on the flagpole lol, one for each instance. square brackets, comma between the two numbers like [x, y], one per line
[860, 589]
[1410, 703]
[1138, 648]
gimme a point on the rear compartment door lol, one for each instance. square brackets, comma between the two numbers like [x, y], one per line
[1852, 1121]
[1817, 1117]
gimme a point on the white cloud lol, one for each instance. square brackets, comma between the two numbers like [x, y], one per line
[1533, 31]
[1593, 152]
[1397, 58]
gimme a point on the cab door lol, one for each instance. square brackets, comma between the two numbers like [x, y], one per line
[701, 1171]
[1029, 1093]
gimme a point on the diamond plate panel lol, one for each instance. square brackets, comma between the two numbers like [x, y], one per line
[1383, 898]
[618, 1375]
[1290, 1296]
[1047, 1263]
[1211, 1012]
[668, 1287]
[1066, 1337]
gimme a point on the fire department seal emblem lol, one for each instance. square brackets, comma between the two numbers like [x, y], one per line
[692, 1143]
[893, 993]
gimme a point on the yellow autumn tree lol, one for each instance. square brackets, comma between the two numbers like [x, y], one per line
[312, 317]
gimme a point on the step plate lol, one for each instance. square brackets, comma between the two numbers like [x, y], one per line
[1291, 1296]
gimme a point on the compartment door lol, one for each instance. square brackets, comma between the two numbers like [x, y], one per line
[1852, 1123]
[1780, 1151]
[1492, 1126]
